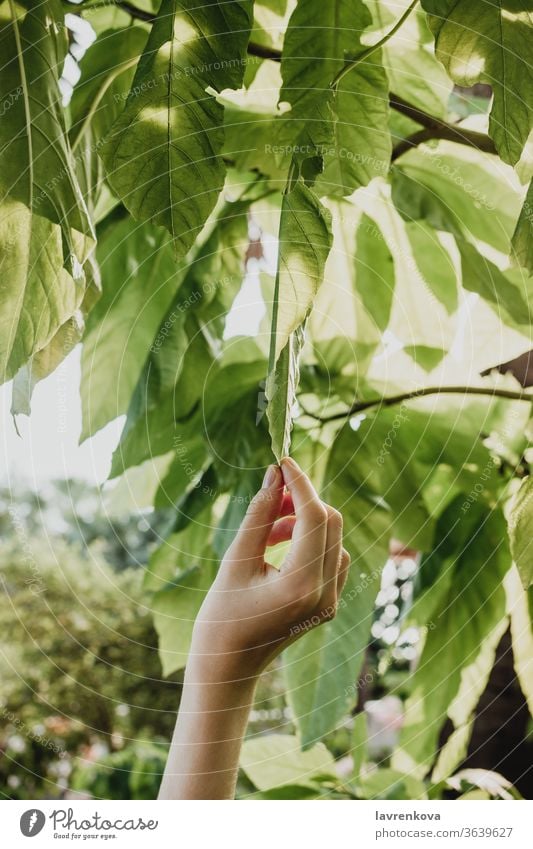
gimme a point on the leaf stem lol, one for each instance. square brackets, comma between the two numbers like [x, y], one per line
[353, 63]
[361, 406]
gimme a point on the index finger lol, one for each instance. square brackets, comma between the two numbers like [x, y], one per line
[309, 535]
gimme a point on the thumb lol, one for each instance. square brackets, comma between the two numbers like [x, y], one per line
[263, 510]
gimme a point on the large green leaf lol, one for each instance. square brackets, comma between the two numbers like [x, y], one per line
[163, 154]
[520, 607]
[374, 271]
[140, 277]
[107, 70]
[276, 759]
[490, 41]
[523, 235]
[35, 159]
[175, 610]
[521, 531]
[45, 233]
[459, 190]
[470, 560]
[348, 128]
[304, 245]
[508, 294]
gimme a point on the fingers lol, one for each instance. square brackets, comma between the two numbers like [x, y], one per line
[306, 556]
[342, 575]
[282, 530]
[263, 510]
[287, 507]
[332, 555]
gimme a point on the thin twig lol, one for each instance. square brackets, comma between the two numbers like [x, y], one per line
[353, 63]
[361, 406]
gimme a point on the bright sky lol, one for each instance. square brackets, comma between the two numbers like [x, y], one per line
[48, 446]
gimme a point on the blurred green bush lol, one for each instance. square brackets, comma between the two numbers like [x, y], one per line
[79, 671]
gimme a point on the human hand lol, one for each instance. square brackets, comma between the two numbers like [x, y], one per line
[253, 610]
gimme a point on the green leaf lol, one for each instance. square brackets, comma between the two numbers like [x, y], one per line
[521, 531]
[43, 363]
[459, 190]
[425, 356]
[392, 784]
[280, 391]
[348, 128]
[41, 295]
[45, 232]
[175, 611]
[275, 760]
[304, 245]
[107, 70]
[523, 234]
[163, 154]
[35, 158]
[434, 264]
[139, 280]
[490, 41]
[509, 299]
[520, 607]
[474, 560]
[409, 59]
[374, 271]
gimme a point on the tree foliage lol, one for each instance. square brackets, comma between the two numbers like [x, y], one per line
[196, 138]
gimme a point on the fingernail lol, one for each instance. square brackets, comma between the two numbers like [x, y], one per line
[271, 476]
[288, 464]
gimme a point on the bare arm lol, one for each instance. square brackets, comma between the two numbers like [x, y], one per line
[250, 613]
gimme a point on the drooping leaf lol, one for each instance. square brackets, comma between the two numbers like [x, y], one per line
[521, 531]
[456, 189]
[304, 244]
[36, 163]
[375, 277]
[520, 607]
[523, 234]
[45, 232]
[434, 264]
[163, 154]
[490, 41]
[43, 363]
[139, 279]
[508, 294]
[107, 70]
[281, 389]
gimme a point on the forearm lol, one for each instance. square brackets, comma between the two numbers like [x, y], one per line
[204, 754]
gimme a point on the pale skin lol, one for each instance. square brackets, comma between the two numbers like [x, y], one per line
[251, 612]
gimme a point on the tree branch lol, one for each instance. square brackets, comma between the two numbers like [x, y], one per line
[435, 128]
[361, 406]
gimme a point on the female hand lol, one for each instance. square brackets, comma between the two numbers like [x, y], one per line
[253, 610]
